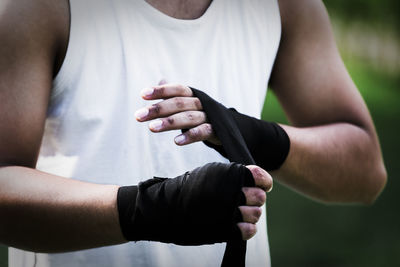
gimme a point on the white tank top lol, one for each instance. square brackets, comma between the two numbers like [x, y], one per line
[117, 48]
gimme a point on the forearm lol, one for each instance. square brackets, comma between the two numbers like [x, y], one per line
[46, 213]
[338, 162]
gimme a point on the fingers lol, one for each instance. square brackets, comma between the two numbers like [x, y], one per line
[254, 196]
[262, 178]
[179, 110]
[165, 91]
[182, 120]
[250, 214]
[248, 230]
[199, 133]
[168, 107]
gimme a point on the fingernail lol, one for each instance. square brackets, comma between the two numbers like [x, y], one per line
[180, 139]
[142, 113]
[156, 125]
[147, 91]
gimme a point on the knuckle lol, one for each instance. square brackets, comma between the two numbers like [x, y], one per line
[191, 116]
[257, 213]
[250, 214]
[258, 172]
[197, 104]
[194, 133]
[159, 90]
[262, 178]
[170, 120]
[260, 197]
[156, 108]
[249, 230]
[179, 102]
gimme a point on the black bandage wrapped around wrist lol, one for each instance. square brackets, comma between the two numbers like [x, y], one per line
[267, 142]
[196, 208]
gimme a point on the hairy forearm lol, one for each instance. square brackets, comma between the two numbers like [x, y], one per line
[334, 163]
[46, 213]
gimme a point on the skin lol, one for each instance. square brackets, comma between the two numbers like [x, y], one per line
[335, 155]
[43, 212]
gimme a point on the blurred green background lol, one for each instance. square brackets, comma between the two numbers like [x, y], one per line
[310, 234]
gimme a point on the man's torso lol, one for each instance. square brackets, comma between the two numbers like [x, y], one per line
[115, 49]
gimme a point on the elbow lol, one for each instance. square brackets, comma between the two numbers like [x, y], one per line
[377, 182]
[366, 192]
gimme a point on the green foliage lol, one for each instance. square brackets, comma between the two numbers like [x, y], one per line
[374, 12]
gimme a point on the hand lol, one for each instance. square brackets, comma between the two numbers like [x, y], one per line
[255, 198]
[178, 110]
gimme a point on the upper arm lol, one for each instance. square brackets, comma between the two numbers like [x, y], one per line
[309, 77]
[29, 36]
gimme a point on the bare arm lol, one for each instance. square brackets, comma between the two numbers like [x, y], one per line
[335, 154]
[46, 213]
[38, 211]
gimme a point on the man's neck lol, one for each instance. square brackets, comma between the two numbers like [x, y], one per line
[181, 9]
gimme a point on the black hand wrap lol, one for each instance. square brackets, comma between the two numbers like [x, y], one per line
[248, 141]
[199, 207]
[267, 142]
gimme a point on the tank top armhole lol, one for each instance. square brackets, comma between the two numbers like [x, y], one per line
[64, 73]
[274, 24]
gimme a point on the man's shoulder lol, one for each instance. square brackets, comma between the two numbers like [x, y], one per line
[33, 13]
[34, 23]
[296, 13]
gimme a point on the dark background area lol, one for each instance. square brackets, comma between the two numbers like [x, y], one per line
[310, 234]
[372, 12]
